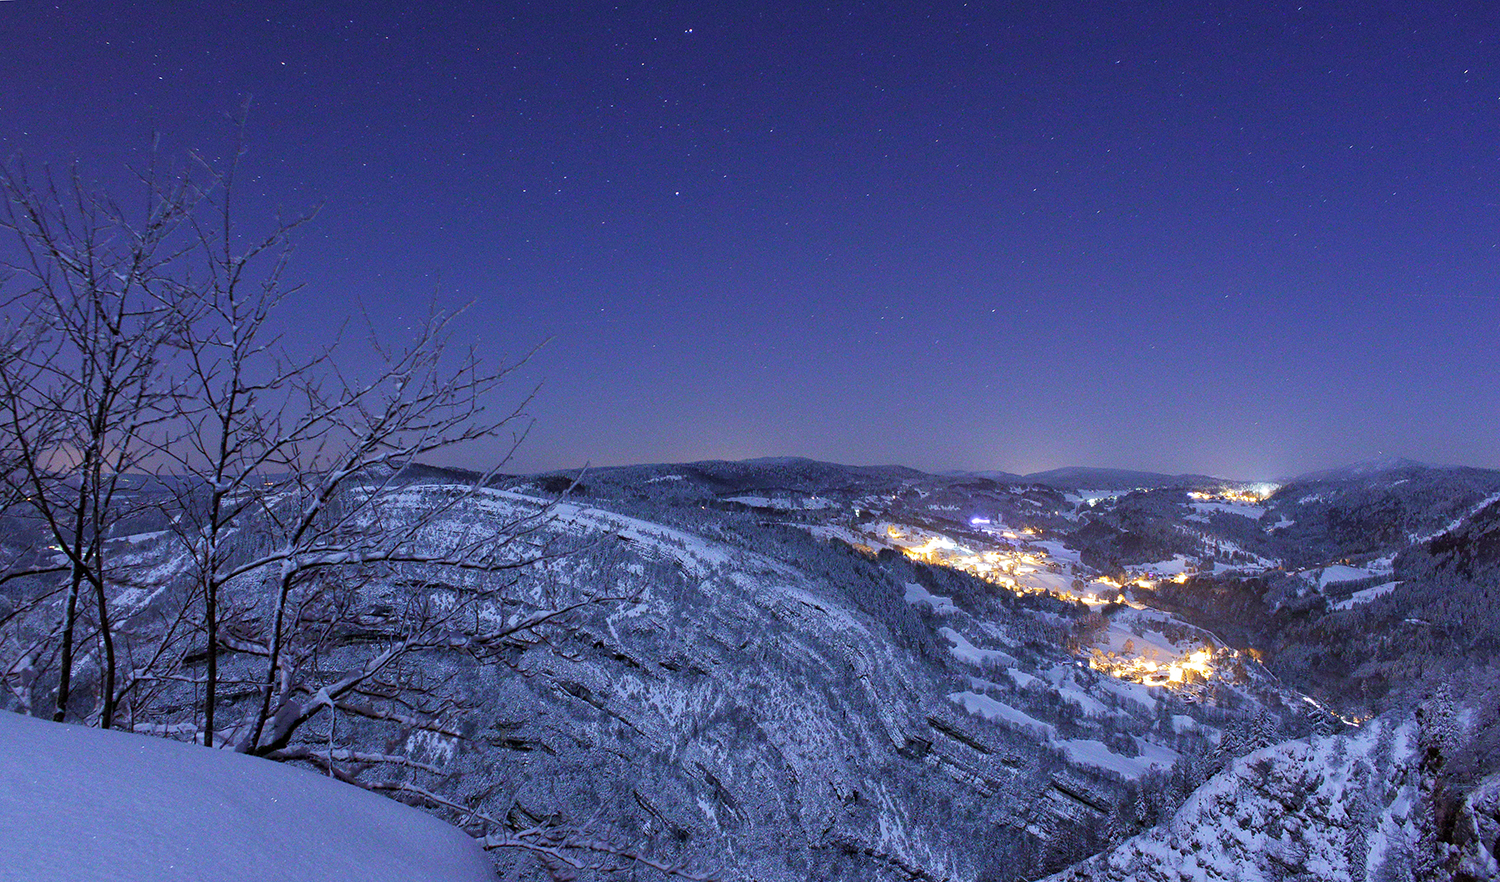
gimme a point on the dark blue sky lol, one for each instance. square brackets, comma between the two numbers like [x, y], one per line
[1243, 238]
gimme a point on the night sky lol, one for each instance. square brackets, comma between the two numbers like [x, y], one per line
[1244, 238]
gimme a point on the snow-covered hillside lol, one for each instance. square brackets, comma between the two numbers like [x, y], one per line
[85, 805]
[1337, 809]
[1375, 805]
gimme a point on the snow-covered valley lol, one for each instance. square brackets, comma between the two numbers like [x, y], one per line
[787, 670]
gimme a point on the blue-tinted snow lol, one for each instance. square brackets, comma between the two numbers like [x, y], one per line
[85, 805]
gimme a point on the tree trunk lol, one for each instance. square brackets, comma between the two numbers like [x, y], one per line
[211, 616]
[107, 716]
[264, 713]
[70, 619]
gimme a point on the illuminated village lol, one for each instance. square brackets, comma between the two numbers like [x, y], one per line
[1124, 638]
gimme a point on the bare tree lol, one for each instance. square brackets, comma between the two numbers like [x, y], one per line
[82, 382]
[133, 347]
[290, 466]
[307, 564]
[231, 405]
[344, 520]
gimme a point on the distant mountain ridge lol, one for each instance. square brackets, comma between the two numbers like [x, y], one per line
[1369, 468]
[1065, 477]
[1086, 477]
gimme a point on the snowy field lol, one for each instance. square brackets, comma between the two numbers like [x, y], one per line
[1243, 509]
[1336, 573]
[917, 594]
[1365, 595]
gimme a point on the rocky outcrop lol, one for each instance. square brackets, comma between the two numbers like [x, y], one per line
[1347, 808]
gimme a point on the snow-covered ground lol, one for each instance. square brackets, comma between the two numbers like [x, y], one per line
[1365, 595]
[1058, 551]
[1034, 579]
[1383, 566]
[1176, 565]
[843, 534]
[85, 805]
[811, 503]
[1243, 509]
[917, 594]
[1094, 753]
[965, 651]
[999, 711]
[1138, 628]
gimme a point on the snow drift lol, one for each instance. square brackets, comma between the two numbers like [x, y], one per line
[85, 804]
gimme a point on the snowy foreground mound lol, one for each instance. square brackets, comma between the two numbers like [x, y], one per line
[84, 804]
